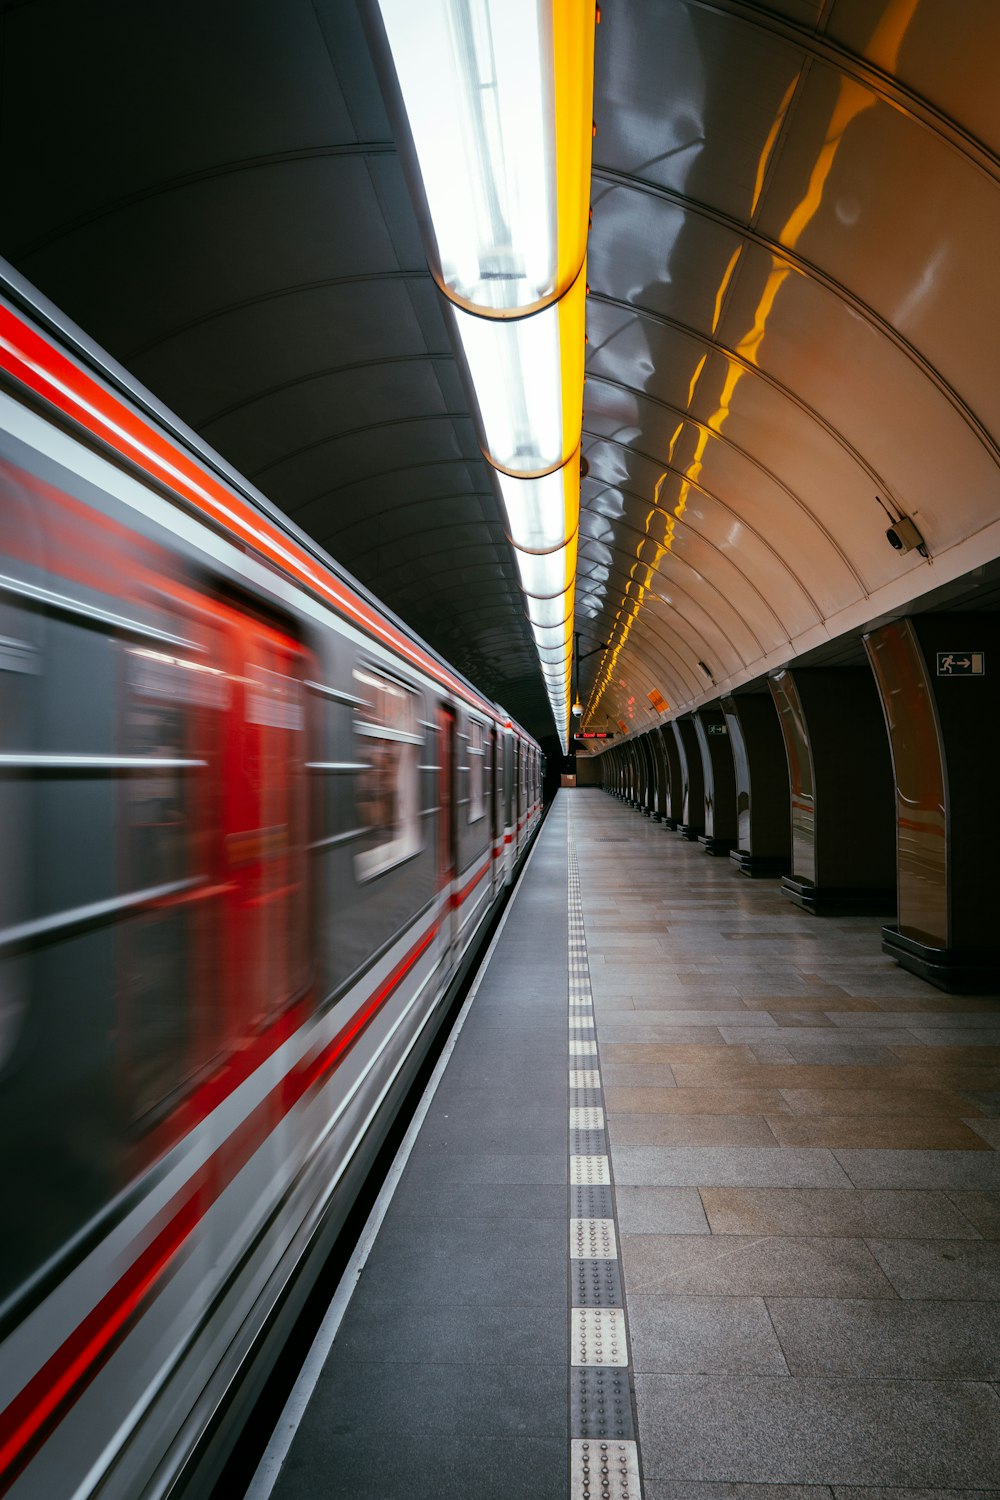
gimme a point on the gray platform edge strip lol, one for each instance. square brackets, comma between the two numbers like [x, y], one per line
[602, 1398]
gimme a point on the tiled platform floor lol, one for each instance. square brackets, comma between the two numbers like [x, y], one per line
[449, 1377]
[805, 1143]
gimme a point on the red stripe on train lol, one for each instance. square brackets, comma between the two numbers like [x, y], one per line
[458, 897]
[50, 1394]
[42, 368]
[47, 1397]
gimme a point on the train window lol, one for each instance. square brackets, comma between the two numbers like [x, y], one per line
[477, 777]
[387, 789]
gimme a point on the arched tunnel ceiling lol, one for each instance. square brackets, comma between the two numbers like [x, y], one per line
[212, 192]
[793, 309]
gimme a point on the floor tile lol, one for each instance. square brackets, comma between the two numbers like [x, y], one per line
[919, 1340]
[893, 1132]
[425, 1197]
[637, 1075]
[492, 1126]
[688, 1130]
[728, 1166]
[941, 1268]
[779, 1004]
[636, 1028]
[691, 1000]
[874, 1101]
[669, 1018]
[835, 1211]
[454, 1167]
[769, 1430]
[982, 1209]
[706, 1055]
[679, 1489]
[434, 1395]
[659, 1210]
[428, 1466]
[752, 1266]
[620, 1099]
[921, 1169]
[401, 1331]
[703, 1335]
[867, 1492]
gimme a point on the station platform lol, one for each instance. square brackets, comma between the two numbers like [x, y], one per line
[705, 1206]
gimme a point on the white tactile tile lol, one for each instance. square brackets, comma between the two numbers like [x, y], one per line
[589, 1169]
[589, 1117]
[597, 1336]
[584, 1078]
[592, 1239]
[602, 1468]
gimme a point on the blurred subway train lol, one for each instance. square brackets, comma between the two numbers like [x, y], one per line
[251, 830]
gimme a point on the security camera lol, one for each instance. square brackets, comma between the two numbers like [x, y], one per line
[578, 709]
[904, 536]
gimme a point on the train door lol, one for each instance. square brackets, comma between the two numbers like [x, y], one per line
[519, 794]
[263, 824]
[260, 836]
[446, 824]
[496, 832]
[215, 832]
[508, 804]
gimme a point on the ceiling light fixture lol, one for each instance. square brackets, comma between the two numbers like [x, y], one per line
[494, 113]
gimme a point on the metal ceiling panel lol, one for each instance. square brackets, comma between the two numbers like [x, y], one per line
[711, 470]
[896, 216]
[938, 52]
[870, 391]
[791, 314]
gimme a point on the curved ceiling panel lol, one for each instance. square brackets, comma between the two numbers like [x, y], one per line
[712, 465]
[792, 318]
[959, 79]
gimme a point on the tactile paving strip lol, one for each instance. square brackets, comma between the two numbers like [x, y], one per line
[589, 1169]
[597, 1336]
[588, 1098]
[592, 1239]
[586, 1117]
[604, 1470]
[596, 1283]
[589, 1201]
[588, 1142]
[604, 1460]
[579, 1048]
[601, 1404]
[584, 1078]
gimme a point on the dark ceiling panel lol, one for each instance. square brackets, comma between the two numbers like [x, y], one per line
[213, 194]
